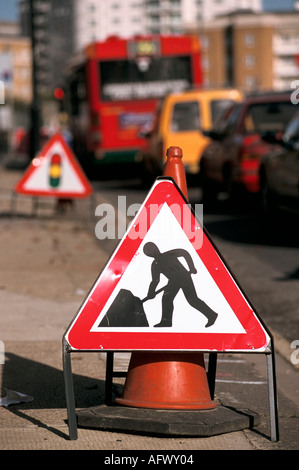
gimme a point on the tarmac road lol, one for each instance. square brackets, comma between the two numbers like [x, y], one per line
[48, 264]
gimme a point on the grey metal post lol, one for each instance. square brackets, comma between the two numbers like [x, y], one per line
[211, 375]
[109, 377]
[272, 395]
[69, 392]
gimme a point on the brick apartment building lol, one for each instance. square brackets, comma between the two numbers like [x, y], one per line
[252, 50]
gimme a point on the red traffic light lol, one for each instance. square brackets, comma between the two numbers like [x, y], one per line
[59, 93]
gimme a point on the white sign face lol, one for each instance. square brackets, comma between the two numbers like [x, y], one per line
[196, 298]
[39, 180]
[55, 172]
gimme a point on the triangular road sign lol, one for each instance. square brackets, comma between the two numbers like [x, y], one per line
[166, 287]
[55, 172]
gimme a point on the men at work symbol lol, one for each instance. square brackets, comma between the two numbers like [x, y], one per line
[127, 309]
[179, 277]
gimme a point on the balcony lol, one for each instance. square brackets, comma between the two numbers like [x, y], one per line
[285, 68]
[286, 47]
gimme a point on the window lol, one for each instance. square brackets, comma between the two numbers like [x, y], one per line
[185, 117]
[218, 107]
[205, 63]
[268, 116]
[292, 131]
[205, 42]
[249, 39]
[249, 61]
[128, 79]
[250, 81]
[227, 120]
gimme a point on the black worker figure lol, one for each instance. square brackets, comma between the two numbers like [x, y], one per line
[179, 277]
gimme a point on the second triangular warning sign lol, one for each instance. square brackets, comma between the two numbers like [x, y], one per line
[55, 172]
[166, 288]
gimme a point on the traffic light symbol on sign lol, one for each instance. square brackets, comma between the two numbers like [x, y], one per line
[55, 171]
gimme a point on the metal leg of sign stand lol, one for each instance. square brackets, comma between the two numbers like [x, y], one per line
[109, 378]
[272, 394]
[69, 393]
[211, 375]
[110, 373]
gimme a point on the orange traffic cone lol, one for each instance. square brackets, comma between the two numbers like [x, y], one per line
[174, 167]
[168, 380]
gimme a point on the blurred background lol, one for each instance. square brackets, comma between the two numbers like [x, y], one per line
[122, 81]
[248, 44]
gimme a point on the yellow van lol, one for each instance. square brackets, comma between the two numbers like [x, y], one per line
[180, 122]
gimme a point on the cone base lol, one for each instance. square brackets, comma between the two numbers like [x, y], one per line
[169, 423]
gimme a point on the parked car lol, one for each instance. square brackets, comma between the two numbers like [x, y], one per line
[279, 171]
[231, 162]
[180, 121]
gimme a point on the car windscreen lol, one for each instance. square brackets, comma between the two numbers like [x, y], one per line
[291, 133]
[261, 117]
[218, 107]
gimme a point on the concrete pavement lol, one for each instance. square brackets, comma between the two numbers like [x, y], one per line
[48, 264]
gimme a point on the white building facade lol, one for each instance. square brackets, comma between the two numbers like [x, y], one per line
[98, 19]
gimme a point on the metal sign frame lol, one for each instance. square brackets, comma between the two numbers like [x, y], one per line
[211, 375]
[260, 340]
